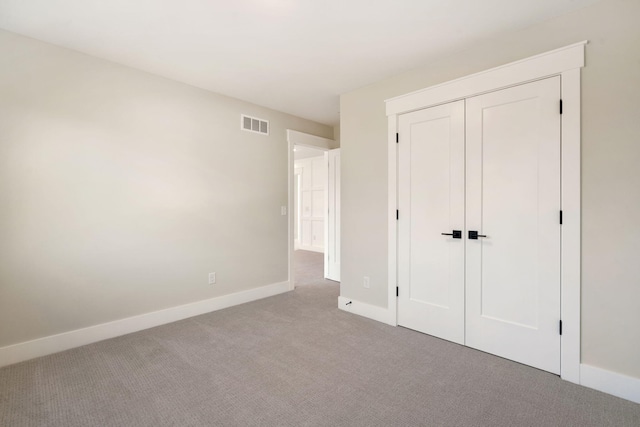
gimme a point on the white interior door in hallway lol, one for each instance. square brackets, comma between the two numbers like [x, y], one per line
[487, 167]
[313, 172]
[332, 224]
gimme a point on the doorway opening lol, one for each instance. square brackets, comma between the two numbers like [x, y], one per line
[313, 228]
[310, 186]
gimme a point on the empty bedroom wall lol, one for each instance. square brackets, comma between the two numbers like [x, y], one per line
[120, 191]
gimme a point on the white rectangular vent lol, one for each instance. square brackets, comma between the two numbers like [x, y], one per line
[253, 124]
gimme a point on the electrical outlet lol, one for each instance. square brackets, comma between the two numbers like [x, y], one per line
[283, 210]
[212, 278]
[365, 282]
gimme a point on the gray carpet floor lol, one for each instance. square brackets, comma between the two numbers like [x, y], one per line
[293, 360]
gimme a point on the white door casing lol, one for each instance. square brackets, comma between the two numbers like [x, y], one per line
[513, 198]
[431, 200]
[565, 62]
[332, 224]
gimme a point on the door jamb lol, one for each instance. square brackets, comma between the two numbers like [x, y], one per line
[295, 209]
[327, 156]
[565, 62]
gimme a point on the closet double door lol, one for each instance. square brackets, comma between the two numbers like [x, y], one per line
[478, 228]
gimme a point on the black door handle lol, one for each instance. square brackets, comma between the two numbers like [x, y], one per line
[456, 234]
[473, 235]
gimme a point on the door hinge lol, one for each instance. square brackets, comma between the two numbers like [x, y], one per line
[397, 214]
[560, 217]
[561, 106]
[397, 137]
[560, 328]
[397, 291]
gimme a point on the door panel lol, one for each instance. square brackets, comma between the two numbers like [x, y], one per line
[313, 173]
[306, 233]
[305, 165]
[317, 231]
[306, 203]
[319, 173]
[317, 203]
[513, 197]
[431, 202]
[332, 225]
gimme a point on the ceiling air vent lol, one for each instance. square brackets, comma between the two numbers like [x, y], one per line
[253, 124]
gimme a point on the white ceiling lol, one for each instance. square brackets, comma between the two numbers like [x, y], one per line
[295, 56]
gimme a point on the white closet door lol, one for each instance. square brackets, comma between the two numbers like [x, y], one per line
[431, 202]
[332, 224]
[513, 198]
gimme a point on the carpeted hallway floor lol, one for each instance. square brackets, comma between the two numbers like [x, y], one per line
[293, 360]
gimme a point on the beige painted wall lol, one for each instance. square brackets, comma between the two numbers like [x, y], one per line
[120, 191]
[610, 162]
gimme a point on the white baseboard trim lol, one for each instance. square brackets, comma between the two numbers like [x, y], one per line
[366, 310]
[610, 382]
[55, 343]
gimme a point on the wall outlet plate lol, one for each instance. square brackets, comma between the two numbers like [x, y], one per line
[365, 282]
[212, 278]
